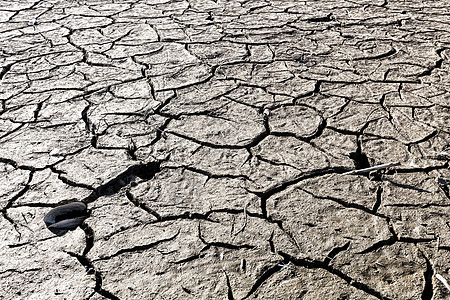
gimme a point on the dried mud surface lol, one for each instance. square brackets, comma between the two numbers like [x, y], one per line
[209, 140]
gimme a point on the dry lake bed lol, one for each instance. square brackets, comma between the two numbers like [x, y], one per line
[214, 144]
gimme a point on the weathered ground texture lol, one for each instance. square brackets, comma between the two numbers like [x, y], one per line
[209, 140]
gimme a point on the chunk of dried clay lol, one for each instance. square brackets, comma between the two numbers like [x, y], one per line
[66, 217]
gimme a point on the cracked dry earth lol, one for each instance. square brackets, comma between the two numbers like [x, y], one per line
[209, 140]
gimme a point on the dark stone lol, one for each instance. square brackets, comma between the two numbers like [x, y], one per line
[66, 217]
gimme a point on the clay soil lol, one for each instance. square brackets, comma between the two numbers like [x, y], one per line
[209, 140]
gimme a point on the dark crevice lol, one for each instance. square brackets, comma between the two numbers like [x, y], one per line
[346, 204]
[56, 125]
[335, 252]
[388, 242]
[142, 205]
[186, 290]
[37, 111]
[415, 240]
[265, 195]
[212, 113]
[327, 18]
[94, 141]
[191, 216]
[228, 245]
[307, 139]
[190, 258]
[424, 139]
[427, 293]
[359, 158]
[89, 234]
[243, 266]
[288, 233]
[38, 204]
[90, 127]
[98, 276]
[221, 244]
[254, 141]
[417, 170]
[184, 216]
[295, 101]
[12, 131]
[418, 205]
[68, 181]
[319, 130]
[344, 131]
[378, 245]
[144, 171]
[33, 243]
[394, 239]
[377, 204]
[271, 244]
[11, 201]
[446, 248]
[160, 132]
[5, 69]
[233, 212]
[188, 85]
[385, 108]
[230, 290]
[209, 174]
[407, 186]
[20, 271]
[274, 163]
[85, 118]
[265, 276]
[139, 248]
[314, 264]
[437, 64]
[402, 81]
[14, 164]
